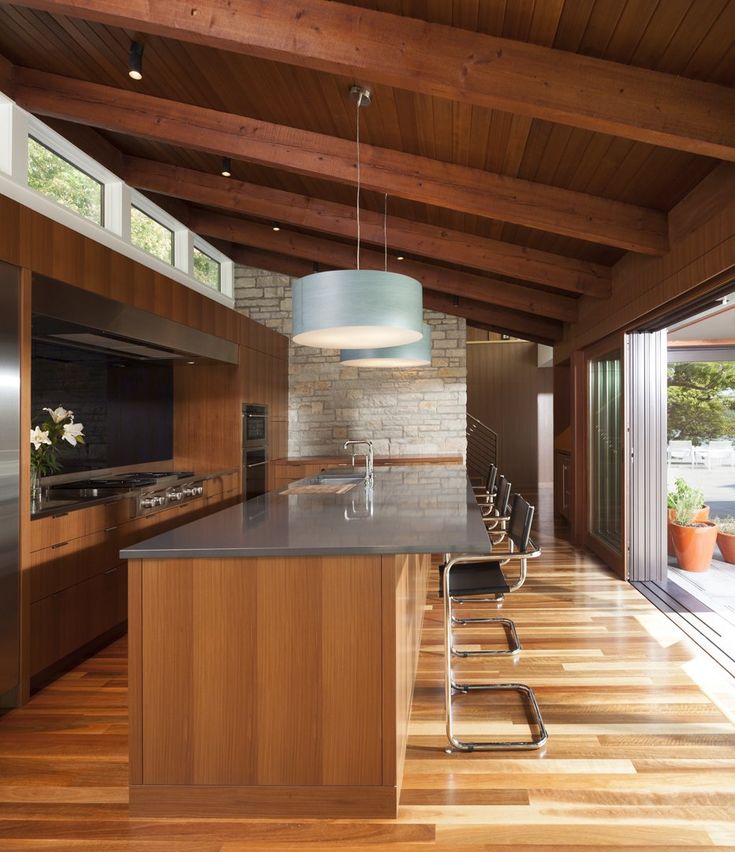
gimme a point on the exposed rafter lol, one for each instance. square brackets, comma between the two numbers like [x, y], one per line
[320, 250]
[407, 176]
[449, 62]
[485, 255]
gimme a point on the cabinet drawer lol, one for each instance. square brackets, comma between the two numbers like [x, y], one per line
[65, 621]
[68, 563]
[66, 526]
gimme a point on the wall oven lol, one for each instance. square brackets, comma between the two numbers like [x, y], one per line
[255, 449]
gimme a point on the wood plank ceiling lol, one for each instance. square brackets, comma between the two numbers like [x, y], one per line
[505, 208]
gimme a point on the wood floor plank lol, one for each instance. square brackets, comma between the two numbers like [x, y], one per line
[641, 753]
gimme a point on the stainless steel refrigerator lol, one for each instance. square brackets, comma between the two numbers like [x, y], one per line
[9, 484]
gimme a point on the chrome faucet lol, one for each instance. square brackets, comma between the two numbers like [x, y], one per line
[368, 456]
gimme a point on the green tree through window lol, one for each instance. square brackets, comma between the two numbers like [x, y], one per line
[701, 400]
[65, 183]
[206, 269]
[151, 236]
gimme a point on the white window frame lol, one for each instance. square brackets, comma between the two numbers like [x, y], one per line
[226, 266]
[15, 127]
[79, 160]
[154, 212]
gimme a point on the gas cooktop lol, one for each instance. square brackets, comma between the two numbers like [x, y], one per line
[126, 481]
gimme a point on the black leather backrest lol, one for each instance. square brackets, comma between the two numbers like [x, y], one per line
[502, 501]
[521, 518]
[492, 475]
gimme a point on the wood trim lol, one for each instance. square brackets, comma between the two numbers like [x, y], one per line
[416, 178]
[158, 800]
[455, 282]
[483, 254]
[135, 671]
[446, 62]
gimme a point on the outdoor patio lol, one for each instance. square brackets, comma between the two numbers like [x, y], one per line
[714, 588]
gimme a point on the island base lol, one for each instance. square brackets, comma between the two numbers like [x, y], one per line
[272, 686]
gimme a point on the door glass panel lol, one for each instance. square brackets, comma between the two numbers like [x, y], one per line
[605, 444]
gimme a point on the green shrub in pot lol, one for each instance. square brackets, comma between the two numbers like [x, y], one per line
[693, 539]
[686, 501]
[683, 492]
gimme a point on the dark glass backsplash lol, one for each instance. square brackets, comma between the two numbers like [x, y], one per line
[126, 406]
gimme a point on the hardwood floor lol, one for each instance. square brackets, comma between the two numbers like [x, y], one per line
[641, 751]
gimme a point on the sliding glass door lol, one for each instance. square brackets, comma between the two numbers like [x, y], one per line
[605, 450]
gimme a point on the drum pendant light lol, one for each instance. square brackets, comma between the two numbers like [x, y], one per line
[416, 354]
[357, 308]
[392, 357]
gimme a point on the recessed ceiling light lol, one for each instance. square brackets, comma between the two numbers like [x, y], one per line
[226, 167]
[135, 61]
[400, 257]
[276, 227]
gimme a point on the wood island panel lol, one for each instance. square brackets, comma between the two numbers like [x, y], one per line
[283, 682]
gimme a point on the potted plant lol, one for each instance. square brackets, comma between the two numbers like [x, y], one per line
[681, 488]
[58, 426]
[726, 538]
[694, 541]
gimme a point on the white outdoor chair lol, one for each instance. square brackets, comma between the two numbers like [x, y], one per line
[680, 452]
[720, 452]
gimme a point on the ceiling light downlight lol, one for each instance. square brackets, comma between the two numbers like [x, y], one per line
[357, 308]
[416, 354]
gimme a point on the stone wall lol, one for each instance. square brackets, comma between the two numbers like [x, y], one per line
[403, 411]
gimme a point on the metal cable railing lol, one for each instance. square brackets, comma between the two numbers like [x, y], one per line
[483, 447]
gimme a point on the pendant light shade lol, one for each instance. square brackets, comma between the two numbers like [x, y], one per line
[357, 308]
[416, 354]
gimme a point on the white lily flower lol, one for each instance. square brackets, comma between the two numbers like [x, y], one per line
[38, 437]
[73, 432]
[59, 414]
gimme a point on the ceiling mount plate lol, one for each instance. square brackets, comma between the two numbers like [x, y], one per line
[361, 95]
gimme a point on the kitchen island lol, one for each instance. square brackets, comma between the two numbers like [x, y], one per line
[273, 645]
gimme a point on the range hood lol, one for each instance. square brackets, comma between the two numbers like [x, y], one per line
[73, 317]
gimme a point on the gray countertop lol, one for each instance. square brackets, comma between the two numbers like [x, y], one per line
[409, 509]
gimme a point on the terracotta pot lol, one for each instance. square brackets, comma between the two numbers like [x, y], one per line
[701, 515]
[726, 543]
[694, 546]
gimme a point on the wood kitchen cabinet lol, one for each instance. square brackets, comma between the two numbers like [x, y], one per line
[78, 583]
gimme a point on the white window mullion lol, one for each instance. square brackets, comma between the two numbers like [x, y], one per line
[14, 141]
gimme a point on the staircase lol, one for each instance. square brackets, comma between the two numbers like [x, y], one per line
[483, 447]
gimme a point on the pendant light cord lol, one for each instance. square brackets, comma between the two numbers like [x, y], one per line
[357, 136]
[385, 232]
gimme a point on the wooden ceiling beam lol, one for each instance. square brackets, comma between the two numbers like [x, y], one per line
[443, 61]
[536, 329]
[441, 244]
[320, 250]
[420, 179]
[533, 328]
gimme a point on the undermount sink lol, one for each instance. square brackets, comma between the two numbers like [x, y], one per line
[338, 478]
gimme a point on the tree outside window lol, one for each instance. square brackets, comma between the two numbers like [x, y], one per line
[64, 182]
[701, 400]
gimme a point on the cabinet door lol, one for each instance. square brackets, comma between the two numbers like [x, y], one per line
[66, 620]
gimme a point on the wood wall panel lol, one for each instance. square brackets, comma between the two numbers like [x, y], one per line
[503, 386]
[642, 285]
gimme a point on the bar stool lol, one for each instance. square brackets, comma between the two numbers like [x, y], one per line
[469, 576]
[484, 493]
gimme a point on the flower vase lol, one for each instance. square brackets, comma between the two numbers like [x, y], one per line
[35, 489]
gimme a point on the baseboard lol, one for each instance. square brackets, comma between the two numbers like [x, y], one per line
[178, 801]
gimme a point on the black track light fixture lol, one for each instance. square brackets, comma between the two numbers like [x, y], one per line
[135, 61]
[226, 167]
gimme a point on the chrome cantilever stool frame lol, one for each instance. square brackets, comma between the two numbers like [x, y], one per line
[497, 561]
